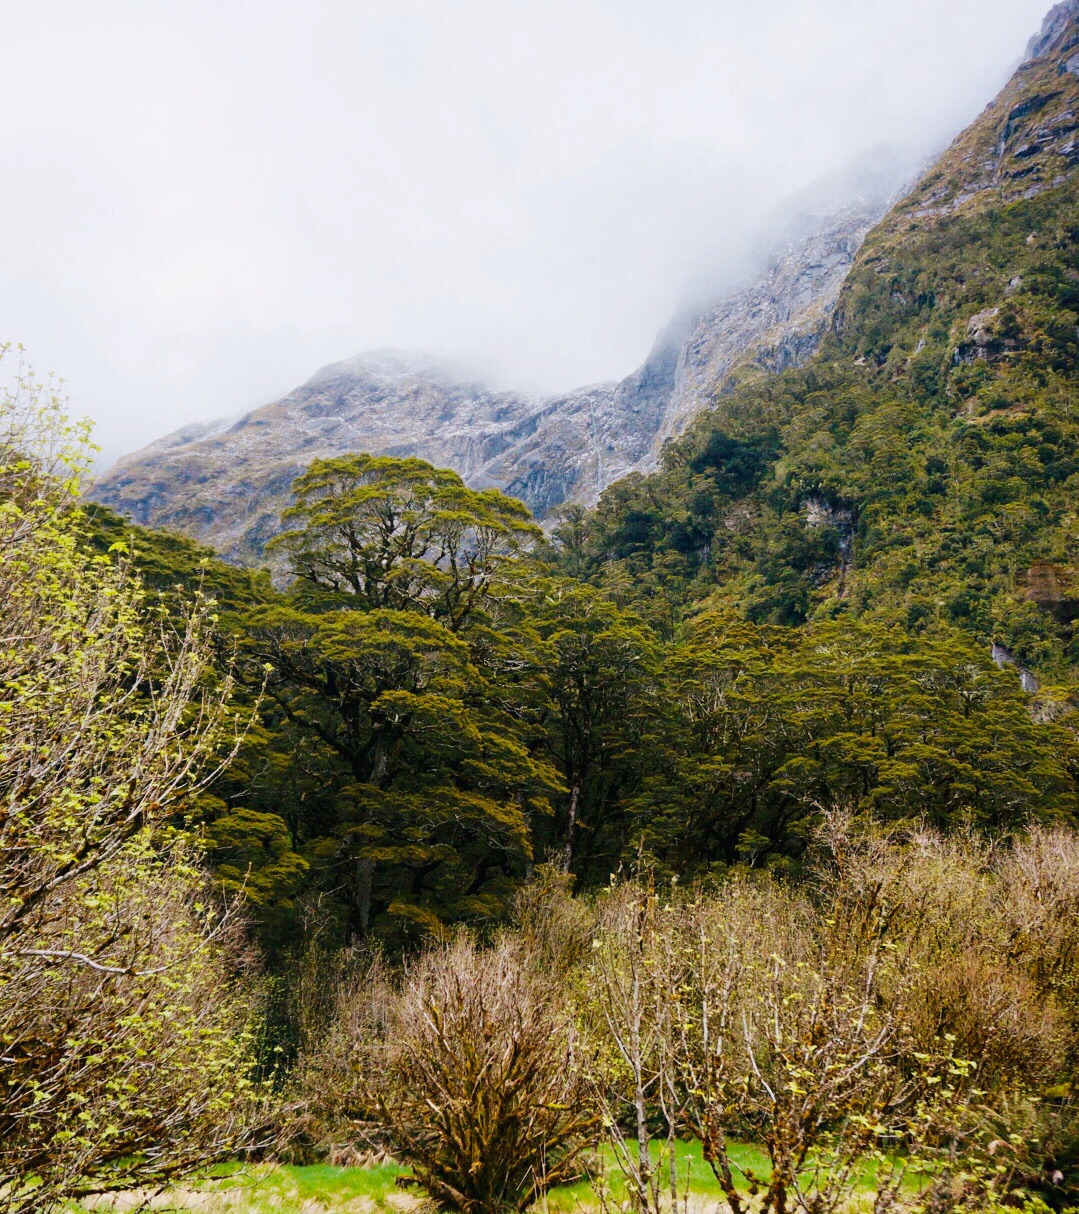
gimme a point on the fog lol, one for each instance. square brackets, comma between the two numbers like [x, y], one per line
[206, 200]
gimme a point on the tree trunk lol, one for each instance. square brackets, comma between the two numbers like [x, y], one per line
[363, 874]
[571, 828]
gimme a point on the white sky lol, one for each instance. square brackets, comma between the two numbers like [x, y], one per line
[206, 200]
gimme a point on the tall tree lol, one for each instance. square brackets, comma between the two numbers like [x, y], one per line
[604, 674]
[125, 1021]
[774, 725]
[401, 534]
[384, 652]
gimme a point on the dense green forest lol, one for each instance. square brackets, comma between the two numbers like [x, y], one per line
[850, 585]
[831, 595]
[429, 731]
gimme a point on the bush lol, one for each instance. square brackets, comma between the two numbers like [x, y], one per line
[911, 1007]
[125, 1011]
[757, 1011]
[474, 1075]
[986, 936]
[336, 1005]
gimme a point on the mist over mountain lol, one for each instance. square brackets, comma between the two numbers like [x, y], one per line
[214, 200]
[226, 483]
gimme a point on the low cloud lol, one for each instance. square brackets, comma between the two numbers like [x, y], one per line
[207, 200]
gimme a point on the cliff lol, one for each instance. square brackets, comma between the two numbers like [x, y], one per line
[225, 484]
[922, 467]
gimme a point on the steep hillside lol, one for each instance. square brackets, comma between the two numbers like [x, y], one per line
[815, 601]
[924, 465]
[226, 484]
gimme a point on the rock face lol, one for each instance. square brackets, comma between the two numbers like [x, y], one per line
[226, 483]
[775, 322]
[1053, 27]
[1024, 143]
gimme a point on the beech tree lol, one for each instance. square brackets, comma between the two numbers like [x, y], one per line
[401, 534]
[435, 784]
[604, 679]
[383, 653]
[769, 726]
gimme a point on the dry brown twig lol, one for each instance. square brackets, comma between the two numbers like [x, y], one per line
[475, 1076]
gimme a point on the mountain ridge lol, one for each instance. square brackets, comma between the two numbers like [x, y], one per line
[922, 469]
[225, 483]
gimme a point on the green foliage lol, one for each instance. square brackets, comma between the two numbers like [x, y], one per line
[906, 472]
[770, 726]
[252, 855]
[603, 708]
[796, 612]
[168, 562]
[400, 534]
[125, 1020]
[411, 764]
[432, 778]
[400, 721]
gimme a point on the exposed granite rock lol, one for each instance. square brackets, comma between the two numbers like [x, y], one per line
[1004, 657]
[775, 322]
[1055, 24]
[987, 338]
[226, 483]
[1025, 142]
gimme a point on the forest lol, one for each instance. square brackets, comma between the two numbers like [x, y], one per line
[741, 809]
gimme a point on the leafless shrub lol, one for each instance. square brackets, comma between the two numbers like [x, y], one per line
[1037, 898]
[784, 1035]
[991, 933]
[629, 1005]
[987, 940]
[849, 1023]
[340, 1001]
[912, 1009]
[475, 1076]
[554, 928]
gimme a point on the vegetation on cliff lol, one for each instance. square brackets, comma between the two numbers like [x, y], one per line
[921, 470]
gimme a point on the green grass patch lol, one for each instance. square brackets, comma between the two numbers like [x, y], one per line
[346, 1184]
[690, 1164]
[272, 1189]
[374, 1190]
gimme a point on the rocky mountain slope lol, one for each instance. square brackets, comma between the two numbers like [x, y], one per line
[226, 484]
[922, 468]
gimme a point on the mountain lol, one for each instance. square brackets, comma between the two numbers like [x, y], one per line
[851, 581]
[226, 483]
[922, 467]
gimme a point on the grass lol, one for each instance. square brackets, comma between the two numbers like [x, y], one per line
[690, 1162]
[271, 1189]
[322, 1189]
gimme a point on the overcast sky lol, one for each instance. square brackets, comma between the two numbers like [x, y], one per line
[206, 200]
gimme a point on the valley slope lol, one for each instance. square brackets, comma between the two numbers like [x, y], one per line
[923, 467]
[226, 484]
